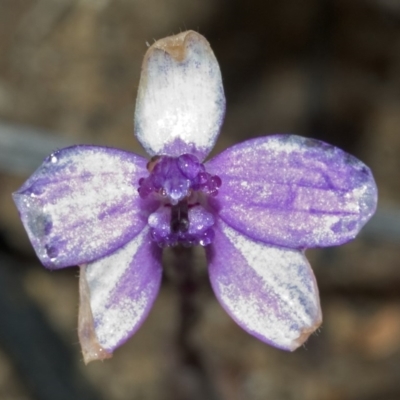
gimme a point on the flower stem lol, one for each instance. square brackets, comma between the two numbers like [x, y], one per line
[195, 382]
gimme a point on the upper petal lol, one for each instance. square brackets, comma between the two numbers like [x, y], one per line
[293, 191]
[81, 204]
[180, 104]
[117, 293]
[269, 291]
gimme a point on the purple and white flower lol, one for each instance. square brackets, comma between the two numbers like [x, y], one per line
[255, 208]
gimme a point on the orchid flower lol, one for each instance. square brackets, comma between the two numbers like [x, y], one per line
[255, 208]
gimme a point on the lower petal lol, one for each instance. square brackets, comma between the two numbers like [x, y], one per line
[269, 291]
[116, 294]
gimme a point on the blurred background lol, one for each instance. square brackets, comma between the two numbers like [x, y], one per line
[328, 69]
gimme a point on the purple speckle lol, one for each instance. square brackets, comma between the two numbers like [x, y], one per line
[48, 225]
[52, 251]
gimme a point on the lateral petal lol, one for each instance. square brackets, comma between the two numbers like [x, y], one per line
[82, 203]
[269, 291]
[292, 191]
[120, 290]
[180, 104]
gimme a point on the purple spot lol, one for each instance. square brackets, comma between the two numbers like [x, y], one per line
[344, 226]
[48, 225]
[51, 251]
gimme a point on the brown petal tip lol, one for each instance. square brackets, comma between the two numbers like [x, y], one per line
[305, 334]
[91, 348]
[176, 46]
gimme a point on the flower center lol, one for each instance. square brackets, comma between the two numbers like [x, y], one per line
[182, 186]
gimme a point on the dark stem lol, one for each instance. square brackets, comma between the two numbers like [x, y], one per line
[195, 381]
